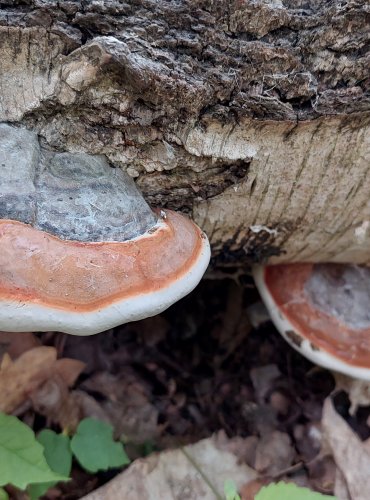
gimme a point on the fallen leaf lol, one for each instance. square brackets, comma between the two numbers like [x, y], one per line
[243, 448]
[89, 407]
[196, 471]
[127, 404]
[19, 378]
[263, 379]
[358, 390]
[308, 439]
[280, 403]
[69, 370]
[66, 408]
[274, 453]
[351, 455]
[5, 362]
[16, 343]
[32, 377]
[340, 487]
[261, 418]
[54, 400]
[322, 474]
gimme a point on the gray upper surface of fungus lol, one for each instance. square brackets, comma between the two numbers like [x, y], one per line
[73, 196]
[342, 291]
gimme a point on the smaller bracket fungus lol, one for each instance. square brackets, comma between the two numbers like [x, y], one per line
[80, 250]
[323, 311]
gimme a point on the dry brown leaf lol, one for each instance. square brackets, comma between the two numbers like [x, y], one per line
[89, 407]
[351, 456]
[16, 343]
[274, 453]
[358, 390]
[340, 487]
[6, 362]
[322, 474]
[66, 408]
[308, 439]
[19, 378]
[263, 380]
[243, 448]
[127, 403]
[178, 474]
[69, 370]
[53, 400]
[37, 375]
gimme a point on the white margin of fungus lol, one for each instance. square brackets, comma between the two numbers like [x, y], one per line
[316, 354]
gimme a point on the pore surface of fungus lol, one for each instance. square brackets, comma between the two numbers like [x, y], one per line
[323, 311]
[80, 250]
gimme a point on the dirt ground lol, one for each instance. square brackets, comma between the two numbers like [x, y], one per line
[199, 368]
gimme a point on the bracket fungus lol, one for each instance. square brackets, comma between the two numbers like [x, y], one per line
[80, 250]
[323, 311]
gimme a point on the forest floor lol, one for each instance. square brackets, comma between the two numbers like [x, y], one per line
[211, 364]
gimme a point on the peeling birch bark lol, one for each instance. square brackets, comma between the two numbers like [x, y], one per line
[306, 196]
[251, 116]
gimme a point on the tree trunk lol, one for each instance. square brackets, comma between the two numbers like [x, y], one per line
[250, 115]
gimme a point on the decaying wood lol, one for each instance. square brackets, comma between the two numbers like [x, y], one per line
[253, 116]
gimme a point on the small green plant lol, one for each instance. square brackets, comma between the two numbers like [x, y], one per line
[22, 456]
[39, 463]
[231, 493]
[3, 494]
[58, 456]
[289, 491]
[94, 447]
[277, 491]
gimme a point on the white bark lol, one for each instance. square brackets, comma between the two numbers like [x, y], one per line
[307, 191]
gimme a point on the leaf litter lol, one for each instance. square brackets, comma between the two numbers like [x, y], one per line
[203, 384]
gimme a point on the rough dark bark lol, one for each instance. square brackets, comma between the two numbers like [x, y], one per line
[252, 116]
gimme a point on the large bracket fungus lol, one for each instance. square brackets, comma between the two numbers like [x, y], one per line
[323, 311]
[80, 250]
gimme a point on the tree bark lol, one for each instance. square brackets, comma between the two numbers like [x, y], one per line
[253, 116]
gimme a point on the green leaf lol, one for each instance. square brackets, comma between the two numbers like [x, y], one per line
[57, 451]
[94, 447]
[58, 455]
[288, 491]
[231, 493]
[21, 456]
[35, 491]
[3, 494]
